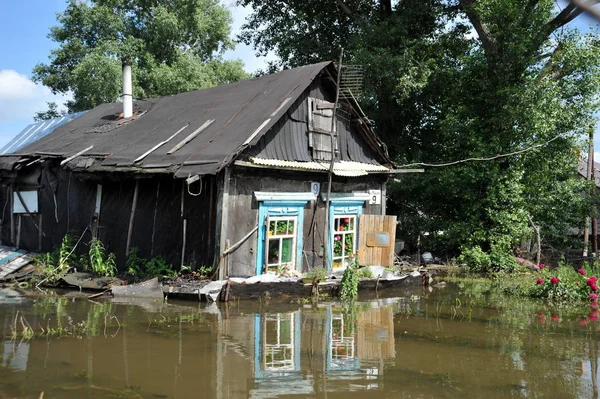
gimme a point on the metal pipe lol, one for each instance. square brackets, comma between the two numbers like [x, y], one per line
[127, 91]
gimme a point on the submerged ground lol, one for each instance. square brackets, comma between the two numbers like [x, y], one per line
[456, 342]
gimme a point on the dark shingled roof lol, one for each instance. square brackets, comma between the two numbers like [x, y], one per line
[242, 113]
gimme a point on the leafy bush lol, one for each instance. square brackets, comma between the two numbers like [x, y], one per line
[101, 263]
[349, 284]
[158, 266]
[135, 264]
[499, 259]
[365, 272]
[475, 259]
[142, 268]
[316, 273]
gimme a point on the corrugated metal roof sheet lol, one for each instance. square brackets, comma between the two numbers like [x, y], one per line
[340, 168]
[36, 131]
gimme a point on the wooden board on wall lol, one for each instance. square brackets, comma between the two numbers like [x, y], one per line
[370, 254]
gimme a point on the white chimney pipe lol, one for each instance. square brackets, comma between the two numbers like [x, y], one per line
[127, 91]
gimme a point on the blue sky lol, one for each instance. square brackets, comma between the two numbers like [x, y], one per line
[24, 25]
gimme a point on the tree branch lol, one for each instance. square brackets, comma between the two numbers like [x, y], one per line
[568, 14]
[386, 6]
[481, 29]
[345, 9]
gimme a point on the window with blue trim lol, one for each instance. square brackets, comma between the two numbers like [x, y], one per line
[343, 225]
[280, 238]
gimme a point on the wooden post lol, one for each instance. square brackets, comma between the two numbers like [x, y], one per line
[331, 165]
[132, 217]
[538, 255]
[40, 233]
[154, 219]
[594, 219]
[12, 214]
[590, 168]
[224, 217]
[18, 244]
[183, 242]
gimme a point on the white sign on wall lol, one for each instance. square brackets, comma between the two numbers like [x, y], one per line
[375, 197]
[315, 188]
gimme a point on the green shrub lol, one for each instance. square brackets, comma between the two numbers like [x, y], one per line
[365, 272]
[349, 284]
[135, 264]
[101, 263]
[475, 259]
[316, 273]
[159, 267]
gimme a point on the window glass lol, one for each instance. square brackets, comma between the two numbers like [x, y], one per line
[344, 240]
[281, 243]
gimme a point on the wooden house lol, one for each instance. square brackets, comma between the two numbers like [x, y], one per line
[234, 175]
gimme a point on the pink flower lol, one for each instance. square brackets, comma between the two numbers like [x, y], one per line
[554, 317]
[337, 238]
[581, 271]
[554, 280]
[539, 281]
[591, 280]
[583, 322]
[542, 266]
[594, 287]
[593, 297]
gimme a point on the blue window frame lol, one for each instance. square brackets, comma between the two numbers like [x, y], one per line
[352, 208]
[288, 240]
[276, 344]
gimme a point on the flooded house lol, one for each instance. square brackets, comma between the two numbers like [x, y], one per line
[235, 177]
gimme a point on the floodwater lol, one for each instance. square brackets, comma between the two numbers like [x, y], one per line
[454, 342]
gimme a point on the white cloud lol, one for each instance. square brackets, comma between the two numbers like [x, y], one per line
[246, 53]
[21, 98]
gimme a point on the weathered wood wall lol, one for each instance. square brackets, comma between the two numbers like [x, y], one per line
[243, 210]
[68, 200]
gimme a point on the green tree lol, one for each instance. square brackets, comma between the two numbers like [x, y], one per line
[173, 46]
[51, 113]
[447, 80]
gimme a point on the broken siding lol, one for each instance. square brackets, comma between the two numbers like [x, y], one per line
[288, 140]
[158, 225]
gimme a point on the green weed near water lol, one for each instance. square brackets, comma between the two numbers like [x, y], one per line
[349, 284]
[100, 262]
[155, 267]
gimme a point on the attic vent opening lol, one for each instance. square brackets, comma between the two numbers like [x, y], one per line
[320, 114]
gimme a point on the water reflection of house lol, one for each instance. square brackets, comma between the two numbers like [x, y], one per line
[306, 352]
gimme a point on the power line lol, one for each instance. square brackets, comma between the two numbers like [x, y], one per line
[533, 147]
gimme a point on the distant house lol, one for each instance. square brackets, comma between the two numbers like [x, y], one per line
[234, 175]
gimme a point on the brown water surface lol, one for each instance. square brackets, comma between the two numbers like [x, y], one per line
[449, 343]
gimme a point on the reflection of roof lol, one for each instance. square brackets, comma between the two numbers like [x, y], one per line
[36, 131]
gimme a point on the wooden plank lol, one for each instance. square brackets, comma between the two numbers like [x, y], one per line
[192, 136]
[362, 240]
[387, 252]
[14, 266]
